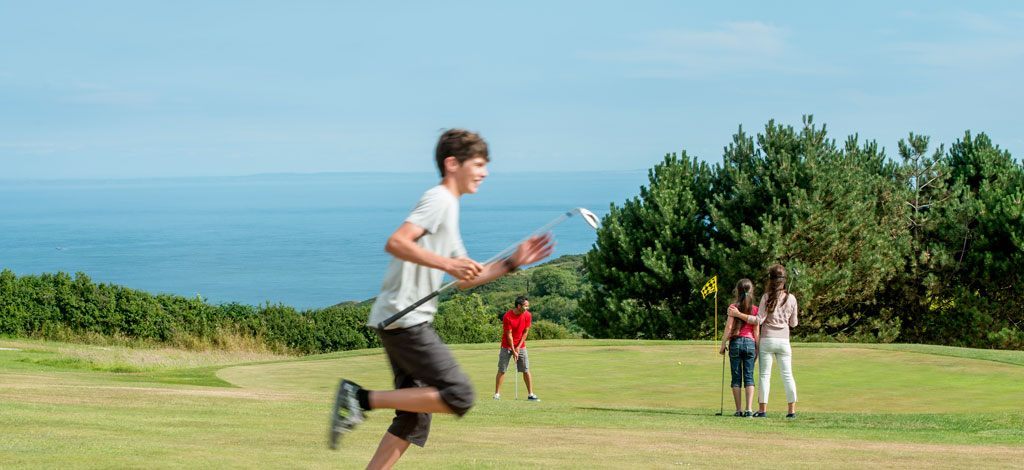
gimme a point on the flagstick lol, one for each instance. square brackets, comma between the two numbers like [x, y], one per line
[716, 313]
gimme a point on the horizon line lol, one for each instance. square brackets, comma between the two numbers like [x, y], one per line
[290, 174]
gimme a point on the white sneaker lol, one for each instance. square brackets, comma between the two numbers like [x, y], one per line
[497, 396]
[532, 397]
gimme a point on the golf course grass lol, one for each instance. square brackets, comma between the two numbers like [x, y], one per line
[605, 404]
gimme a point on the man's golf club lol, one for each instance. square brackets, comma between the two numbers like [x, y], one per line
[515, 378]
[586, 215]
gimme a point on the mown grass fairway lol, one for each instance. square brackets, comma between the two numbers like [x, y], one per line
[606, 404]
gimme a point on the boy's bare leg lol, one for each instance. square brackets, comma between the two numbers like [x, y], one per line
[388, 452]
[415, 400]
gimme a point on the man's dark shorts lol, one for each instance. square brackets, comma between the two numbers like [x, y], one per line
[420, 359]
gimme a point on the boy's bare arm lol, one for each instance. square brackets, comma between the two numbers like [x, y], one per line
[528, 252]
[402, 245]
[489, 273]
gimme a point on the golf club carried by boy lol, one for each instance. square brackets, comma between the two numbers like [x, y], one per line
[425, 247]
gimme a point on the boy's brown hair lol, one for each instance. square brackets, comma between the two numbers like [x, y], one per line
[461, 144]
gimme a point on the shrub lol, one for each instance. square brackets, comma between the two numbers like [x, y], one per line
[463, 319]
[543, 329]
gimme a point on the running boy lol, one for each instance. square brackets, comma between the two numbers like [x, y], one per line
[424, 247]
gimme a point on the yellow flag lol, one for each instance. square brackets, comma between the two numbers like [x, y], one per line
[709, 288]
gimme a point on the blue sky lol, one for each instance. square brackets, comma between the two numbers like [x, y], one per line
[145, 89]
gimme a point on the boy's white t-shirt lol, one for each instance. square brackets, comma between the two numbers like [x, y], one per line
[437, 212]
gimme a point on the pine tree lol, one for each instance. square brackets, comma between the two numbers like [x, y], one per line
[824, 213]
[639, 285]
[985, 229]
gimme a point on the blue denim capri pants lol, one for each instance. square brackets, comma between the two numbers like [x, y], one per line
[741, 361]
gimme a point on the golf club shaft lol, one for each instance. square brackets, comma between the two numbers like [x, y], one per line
[515, 378]
[721, 405]
[502, 254]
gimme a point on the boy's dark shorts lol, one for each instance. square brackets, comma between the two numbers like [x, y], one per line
[420, 359]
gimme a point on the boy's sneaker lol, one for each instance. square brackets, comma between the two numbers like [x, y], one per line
[738, 414]
[532, 397]
[759, 414]
[791, 416]
[497, 396]
[747, 414]
[347, 414]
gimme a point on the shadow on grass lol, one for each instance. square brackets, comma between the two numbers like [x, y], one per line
[1007, 428]
[199, 376]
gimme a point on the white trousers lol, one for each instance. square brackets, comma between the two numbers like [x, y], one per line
[771, 349]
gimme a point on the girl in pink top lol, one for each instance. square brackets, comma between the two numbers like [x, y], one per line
[741, 338]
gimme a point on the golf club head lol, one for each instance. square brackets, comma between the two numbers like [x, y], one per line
[588, 217]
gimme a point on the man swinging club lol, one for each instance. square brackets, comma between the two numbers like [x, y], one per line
[515, 327]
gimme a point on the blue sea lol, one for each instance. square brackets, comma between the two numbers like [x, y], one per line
[309, 240]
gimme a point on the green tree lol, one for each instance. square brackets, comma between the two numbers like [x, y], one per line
[794, 198]
[924, 178]
[550, 280]
[463, 319]
[639, 286]
[983, 227]
[555, 308]
[823, 211]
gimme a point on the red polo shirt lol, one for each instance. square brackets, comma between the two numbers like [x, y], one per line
[517, 324]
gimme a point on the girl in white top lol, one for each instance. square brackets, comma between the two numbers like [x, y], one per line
[776, 315]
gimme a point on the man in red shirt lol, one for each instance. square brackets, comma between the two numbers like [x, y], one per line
[515, 327]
